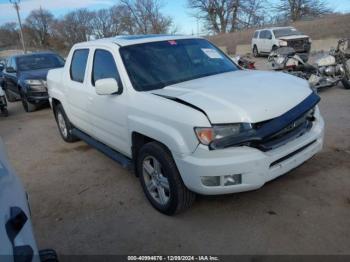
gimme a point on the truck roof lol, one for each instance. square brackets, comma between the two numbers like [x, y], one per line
[33, 53]
[274, 28]
[125, 40]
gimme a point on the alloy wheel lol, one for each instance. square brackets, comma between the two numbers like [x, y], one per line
[156, 183]
[62, 124]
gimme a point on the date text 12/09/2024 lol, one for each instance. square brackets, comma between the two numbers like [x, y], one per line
[173, 258]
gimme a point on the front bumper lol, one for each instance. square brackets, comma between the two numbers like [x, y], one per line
[256, 167]
[38, 97]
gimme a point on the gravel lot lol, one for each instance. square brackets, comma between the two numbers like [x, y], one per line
[84, 203]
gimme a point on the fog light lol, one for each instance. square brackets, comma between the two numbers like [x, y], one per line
[211, 180]
[231, 180]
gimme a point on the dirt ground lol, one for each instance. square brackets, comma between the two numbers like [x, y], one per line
[84, 203]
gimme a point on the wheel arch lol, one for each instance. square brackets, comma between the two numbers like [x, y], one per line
[54, 103]
[138, 140]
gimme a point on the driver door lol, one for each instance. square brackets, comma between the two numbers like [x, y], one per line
[108, 113]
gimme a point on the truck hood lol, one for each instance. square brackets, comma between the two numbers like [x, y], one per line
[293, 37]
[240, 96]
[40, 74]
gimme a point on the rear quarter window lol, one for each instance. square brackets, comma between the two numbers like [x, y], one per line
[256, 35]
[78, 65]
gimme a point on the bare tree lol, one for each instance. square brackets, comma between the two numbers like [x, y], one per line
[222, 16]
[38, 26]
[111, 22]
[295, 10]
[147, 17]
[217, 14]
[74, 27]
[9, 35]
[253, 13]
[102, 23]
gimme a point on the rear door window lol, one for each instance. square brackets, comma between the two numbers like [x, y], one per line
[268, 35]
[263, 34]
[78, 65]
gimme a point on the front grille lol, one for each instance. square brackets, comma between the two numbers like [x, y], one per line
[275, 132]
[294, 130]
[37, 94]
[299, 45]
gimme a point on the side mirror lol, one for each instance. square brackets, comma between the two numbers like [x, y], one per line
[10, 69]
[107, 86]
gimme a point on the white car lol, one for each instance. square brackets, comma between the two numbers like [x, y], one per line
[266, 40]
[185, 115]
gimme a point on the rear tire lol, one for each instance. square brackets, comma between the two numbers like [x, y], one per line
[255, 51]
[64, 126]
[161, 180]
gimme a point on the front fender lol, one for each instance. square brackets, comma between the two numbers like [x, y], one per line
[182, 140]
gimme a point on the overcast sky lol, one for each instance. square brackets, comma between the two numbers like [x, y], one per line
[175, 8]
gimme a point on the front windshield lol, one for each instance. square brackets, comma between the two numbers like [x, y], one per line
[286, 32]
[156, 65]
[39, 61]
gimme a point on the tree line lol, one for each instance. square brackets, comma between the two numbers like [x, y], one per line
[42, 30]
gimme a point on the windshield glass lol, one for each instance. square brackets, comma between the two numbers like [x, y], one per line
[156, 65]
[286, 32]
[39, 61]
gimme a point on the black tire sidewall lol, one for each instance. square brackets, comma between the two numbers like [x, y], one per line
[170, 171]
[346, 83]
[28, 107]
[70, 137]
[24, 102]
[255, 51]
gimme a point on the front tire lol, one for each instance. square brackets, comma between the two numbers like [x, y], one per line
[255, 51]
[161, 180]
[5, 112]
[64, 126]
[9, 96]
[346, 83]
[27, 106]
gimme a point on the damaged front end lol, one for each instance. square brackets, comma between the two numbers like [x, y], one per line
[276, 132]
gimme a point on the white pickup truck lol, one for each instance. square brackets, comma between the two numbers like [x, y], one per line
[188, 118]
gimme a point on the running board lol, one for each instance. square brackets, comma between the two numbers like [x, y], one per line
[116, 156]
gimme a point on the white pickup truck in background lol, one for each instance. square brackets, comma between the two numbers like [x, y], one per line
[188, 118]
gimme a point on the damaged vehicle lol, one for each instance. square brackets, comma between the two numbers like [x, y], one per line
[327, 71]
[184, 115]
[267, 40]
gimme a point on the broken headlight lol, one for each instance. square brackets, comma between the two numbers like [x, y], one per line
[206, 135]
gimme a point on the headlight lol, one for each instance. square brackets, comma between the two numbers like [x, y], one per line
[282, 43]
[33, 82]
[36, 84]
[206, 135]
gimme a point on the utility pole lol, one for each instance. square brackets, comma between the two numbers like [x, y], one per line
[16, 6]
